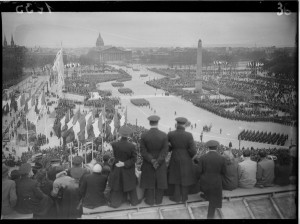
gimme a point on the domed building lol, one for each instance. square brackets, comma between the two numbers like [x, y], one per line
[106, 54]
[99, 42]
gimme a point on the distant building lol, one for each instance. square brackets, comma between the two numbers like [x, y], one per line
[106, 54]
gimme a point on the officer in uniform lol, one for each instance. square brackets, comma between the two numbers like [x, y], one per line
[154, 149]
[181, 168]
[211, 168]
[122, 180]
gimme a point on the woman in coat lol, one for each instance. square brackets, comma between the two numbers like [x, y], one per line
[230, 178]
[122, 179]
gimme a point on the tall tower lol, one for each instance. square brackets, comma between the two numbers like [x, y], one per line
[12, 43]
[5, 42]
[198, 81]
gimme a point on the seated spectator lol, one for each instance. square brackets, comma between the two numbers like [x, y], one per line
[66, 188]
[92, 188]
[265, 170]
[247, 171]
[30, 198]
[230, 177]
[77, 171]
[283, 168]
[9, 196]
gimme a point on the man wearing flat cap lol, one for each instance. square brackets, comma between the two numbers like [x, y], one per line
[154, 149]
[181, 169]
[211, 168]
[122, 179]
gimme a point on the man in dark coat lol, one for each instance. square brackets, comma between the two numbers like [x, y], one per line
[154, 149]
[30, 198]
[92, 188]
[122, 179]
[181, 168]
[211, 168]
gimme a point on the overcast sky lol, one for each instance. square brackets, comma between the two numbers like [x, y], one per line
[78, 29]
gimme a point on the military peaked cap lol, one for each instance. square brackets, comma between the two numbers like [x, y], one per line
[154, 118]
[181, 120]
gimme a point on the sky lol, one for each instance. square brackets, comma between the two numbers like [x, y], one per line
[150, 29]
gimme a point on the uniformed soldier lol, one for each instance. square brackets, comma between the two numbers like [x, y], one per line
[122, 180]
[181, 169]
[154, 149]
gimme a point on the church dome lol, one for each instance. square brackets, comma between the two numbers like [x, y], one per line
[99, 42]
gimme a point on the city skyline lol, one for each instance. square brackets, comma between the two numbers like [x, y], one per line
[134, 30]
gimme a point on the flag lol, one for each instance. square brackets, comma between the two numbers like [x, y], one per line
[70, 135]
[62, 121]
[67, 117]
[112, 127]
[76, 117]
[32, 101]
[18, 102]
[26, 107]
[22, 99]
[64, 131]
[57, 128]
[89, 133]
[82, 124]
[116, 120]
[104, 114]
[96, 129]
[88, 120]
[29, 104]
[59, 66]
[43, 102]
[39, 102]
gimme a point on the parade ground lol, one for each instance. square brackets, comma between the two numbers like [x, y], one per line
[166, 106]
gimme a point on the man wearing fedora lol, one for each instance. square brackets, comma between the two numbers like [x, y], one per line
[154, 149]
[181, 169]
[122, 179]
[211, 168]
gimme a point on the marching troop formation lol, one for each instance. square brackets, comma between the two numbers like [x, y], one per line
[263, 137]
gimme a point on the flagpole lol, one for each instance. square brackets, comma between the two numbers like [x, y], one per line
[92, 149]
[71, 155]
[85, 154]
[27, 129]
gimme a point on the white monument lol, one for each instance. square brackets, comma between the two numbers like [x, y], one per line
[198, 80]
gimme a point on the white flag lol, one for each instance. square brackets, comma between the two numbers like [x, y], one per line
[96, 128]
[112, 126]
[76, 129]
[29, 104]
[59, 66]
[86, 120]
[122, 120]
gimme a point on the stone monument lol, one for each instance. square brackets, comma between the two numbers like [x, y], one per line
[198, 80]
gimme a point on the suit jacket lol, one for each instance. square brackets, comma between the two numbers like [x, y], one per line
[123, 178]
[247, 173]
[92, 190]
[265, 172]
[181, 169]
[29, 196]
[154, 145]
[211, 168]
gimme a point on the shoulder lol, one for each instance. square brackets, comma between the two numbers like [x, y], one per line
[162, 133]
